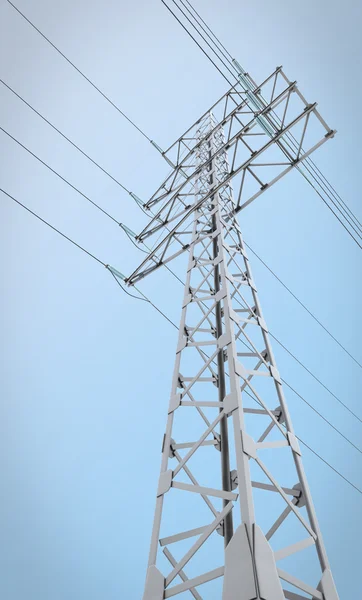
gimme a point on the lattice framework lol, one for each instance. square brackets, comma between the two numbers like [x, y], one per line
[247, 524]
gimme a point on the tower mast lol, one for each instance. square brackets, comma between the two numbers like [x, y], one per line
[243, 527]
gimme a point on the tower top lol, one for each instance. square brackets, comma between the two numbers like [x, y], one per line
[267, 130]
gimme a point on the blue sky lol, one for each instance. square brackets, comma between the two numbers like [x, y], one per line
[86, 370]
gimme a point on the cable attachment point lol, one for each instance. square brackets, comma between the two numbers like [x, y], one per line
[128, 230]
[156, 146]
[116, 273]
[137, 199]
[163, 154]
[238, 66]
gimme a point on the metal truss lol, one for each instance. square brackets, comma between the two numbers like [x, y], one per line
[267, 133]
[234, 516]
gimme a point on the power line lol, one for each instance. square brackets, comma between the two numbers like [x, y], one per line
[315, 173]
[318, 455]
[226, 54]
[145, 299]
[321, 416]
[308, 160]
[303, 305]
[202, 37]
[126, 291]
[81, 73]
[113, 219]
[159, 310]
[130, 193]
[314, 452]
[75, 188]
[54, 228]
[298, 361]
[230, 60]
[64, 136]
[304, 443]
[154, 306]
[196, 42]
[81, 193]
[314, 377]
[60, 176]
[330, 466]
[207, 27]
[286, 349]
[88, 157]
[353, 216]
[331, 209]
[302, 365]
[138, 128]
[336, 202]
[147, 137]
[248, 346]
[125, 116]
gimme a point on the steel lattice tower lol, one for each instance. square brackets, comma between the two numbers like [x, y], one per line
[233, 502]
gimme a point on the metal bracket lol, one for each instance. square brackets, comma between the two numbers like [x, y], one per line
[175, 402]
[164, 483]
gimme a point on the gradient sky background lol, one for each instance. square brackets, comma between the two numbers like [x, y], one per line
[86, 370]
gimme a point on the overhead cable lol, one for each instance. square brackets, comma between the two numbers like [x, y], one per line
[81, 73]
[107, 214]
[52, 227]
[251, 349]
[216, 41]
[139, 203]
[322, 416]
[303, 305]
[58, 175]
[114, 220]
[154, 144]
[314, 376]
[154, 306]
[65, 137]
[308, 163]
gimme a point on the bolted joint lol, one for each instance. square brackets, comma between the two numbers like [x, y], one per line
[279, 414]
[234, 479]
[264, 354]
[171, 453]
[217, 445]
[331, 133]
[300, 500]
[180, 382]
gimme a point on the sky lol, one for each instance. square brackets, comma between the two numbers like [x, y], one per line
[85, 369]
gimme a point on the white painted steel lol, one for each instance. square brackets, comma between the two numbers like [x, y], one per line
[231, 398]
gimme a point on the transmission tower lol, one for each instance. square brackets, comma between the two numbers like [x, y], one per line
[234, 516]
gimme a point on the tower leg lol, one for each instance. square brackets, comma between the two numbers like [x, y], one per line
[250, 568]
[226, 381]
[155, 584]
